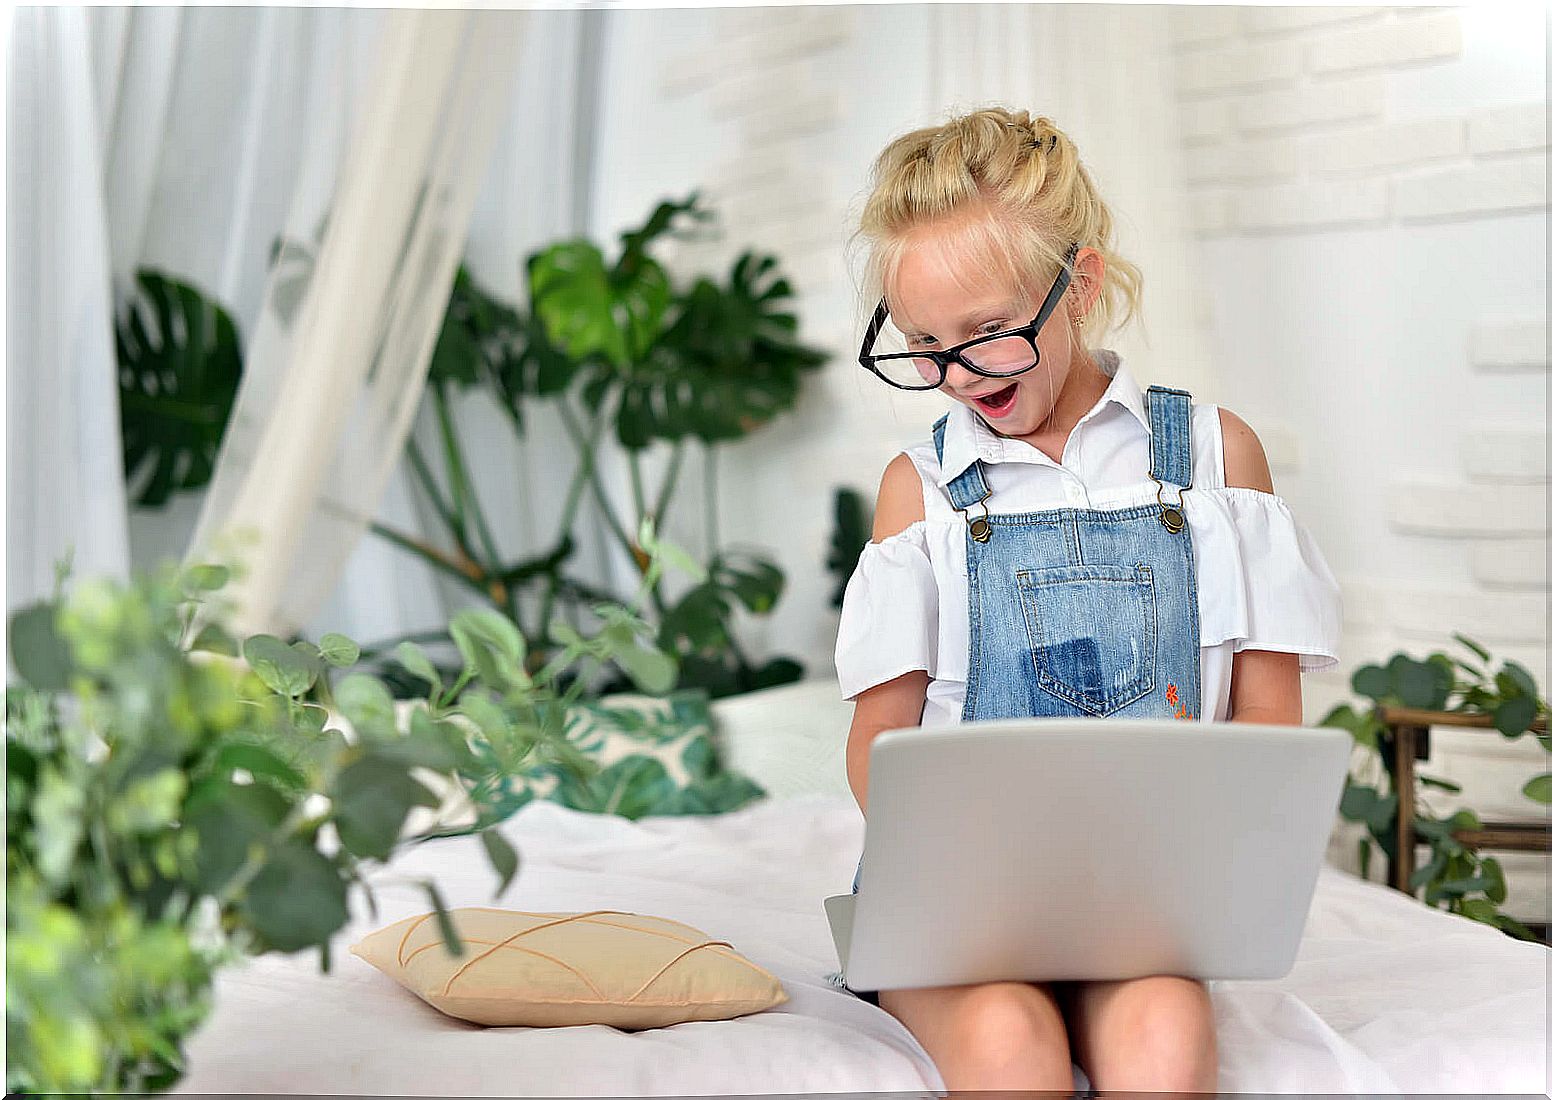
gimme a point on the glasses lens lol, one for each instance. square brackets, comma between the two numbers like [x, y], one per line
[910, 371]
[1008, 355]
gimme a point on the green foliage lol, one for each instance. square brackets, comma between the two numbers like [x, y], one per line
[640, 756]
[616, 343]
[1454, 877]
[850, 534]
[179, 365]
[169, 810]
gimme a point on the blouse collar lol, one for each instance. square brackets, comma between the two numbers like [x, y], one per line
[966, 436]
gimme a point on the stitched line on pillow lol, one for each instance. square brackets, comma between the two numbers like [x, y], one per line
[399, 954]
[601, 923]
[676, 958]
[530, 951]
[517, 935]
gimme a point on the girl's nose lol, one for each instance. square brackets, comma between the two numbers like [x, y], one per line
[960, 378]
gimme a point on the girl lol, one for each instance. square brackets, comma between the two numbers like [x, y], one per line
[1128, 556]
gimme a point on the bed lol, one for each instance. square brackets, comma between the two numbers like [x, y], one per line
[1386, 995]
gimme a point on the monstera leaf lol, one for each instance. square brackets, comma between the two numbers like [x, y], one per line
[727, 363]
[179, 365]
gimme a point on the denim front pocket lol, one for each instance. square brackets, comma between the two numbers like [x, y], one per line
[1093, 632]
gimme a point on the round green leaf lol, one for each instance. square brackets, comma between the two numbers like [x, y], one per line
[297, 901]
[282, 668]
[1514, 716]
[1539, 787]
[1372, 681]
[338, 650]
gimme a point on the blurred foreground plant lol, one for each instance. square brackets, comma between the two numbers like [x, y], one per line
[170, 809]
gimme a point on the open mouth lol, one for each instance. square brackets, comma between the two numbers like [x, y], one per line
[997, 404]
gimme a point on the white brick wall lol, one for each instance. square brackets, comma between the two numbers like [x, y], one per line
[1511, 563]
[1498, 453]
[1510, 345]
[1374, 148]
[1311, 105]
[1515, 128]
[1388, 45]
[1297, 97]
[1485, 188]
[1465, 511]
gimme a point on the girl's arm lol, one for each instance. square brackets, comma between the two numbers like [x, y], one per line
[895, 703]
[1264, 685]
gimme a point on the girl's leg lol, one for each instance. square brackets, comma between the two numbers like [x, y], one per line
[989, 1035]
[1146, 1034]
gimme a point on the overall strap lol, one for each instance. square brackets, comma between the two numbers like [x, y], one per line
[1169, 415]
[970, 486]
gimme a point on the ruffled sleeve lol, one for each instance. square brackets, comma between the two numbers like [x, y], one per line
[889, 613]
[1261, 580]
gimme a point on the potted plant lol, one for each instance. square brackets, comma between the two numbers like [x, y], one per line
[1455, 877]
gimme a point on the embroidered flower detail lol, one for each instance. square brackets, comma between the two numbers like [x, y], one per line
[1172, 695]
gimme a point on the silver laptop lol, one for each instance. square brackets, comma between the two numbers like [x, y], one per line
[1042, 849]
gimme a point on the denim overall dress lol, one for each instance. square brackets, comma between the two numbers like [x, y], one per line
[1083, 612]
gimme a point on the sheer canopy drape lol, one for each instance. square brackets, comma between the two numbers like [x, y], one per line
[351, 311]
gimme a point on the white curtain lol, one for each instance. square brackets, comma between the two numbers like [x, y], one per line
[1122, 115]
[350, 315]
[64, 471]
[535, 192]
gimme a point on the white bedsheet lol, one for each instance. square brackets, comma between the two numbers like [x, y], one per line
[1386, 994]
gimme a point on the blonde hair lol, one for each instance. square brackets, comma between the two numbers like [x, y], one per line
[1006, 195]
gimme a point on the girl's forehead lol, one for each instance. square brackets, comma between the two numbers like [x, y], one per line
[939, 280]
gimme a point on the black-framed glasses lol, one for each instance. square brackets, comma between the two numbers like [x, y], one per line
[999, 355]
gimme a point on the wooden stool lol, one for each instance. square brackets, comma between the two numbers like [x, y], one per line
[1406, 731]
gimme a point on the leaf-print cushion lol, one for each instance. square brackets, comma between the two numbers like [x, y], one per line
[655, 755]
[605, 966]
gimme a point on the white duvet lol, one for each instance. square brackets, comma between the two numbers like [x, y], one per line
[1386, 996]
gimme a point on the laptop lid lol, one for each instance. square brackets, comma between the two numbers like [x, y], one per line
[1048, 849]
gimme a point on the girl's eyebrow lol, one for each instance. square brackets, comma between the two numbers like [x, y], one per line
[975, 318]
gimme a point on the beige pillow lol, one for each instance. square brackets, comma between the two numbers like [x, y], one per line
[558, 969]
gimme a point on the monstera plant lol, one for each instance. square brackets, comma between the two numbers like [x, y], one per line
[614, 344]
[602, 344]
[171, 808]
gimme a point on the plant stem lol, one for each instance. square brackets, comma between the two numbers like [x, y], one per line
[428, 486]
[463, 490]
[710, 480]
[579, 479]
[598, 491]
[633, 460]
[675, 460]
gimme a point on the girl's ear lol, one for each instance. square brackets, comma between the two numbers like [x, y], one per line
[1088, 276]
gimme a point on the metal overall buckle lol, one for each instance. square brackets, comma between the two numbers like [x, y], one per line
[980, 526]
[1171, 517]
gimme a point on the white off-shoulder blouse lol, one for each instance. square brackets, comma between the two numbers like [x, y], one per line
[1261, 581]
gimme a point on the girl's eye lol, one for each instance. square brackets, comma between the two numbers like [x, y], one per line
[991, 327]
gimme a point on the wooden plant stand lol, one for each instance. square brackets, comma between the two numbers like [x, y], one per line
[1406, 731]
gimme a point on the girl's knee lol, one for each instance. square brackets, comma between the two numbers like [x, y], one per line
[1165, 1024]
[993, 1018]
